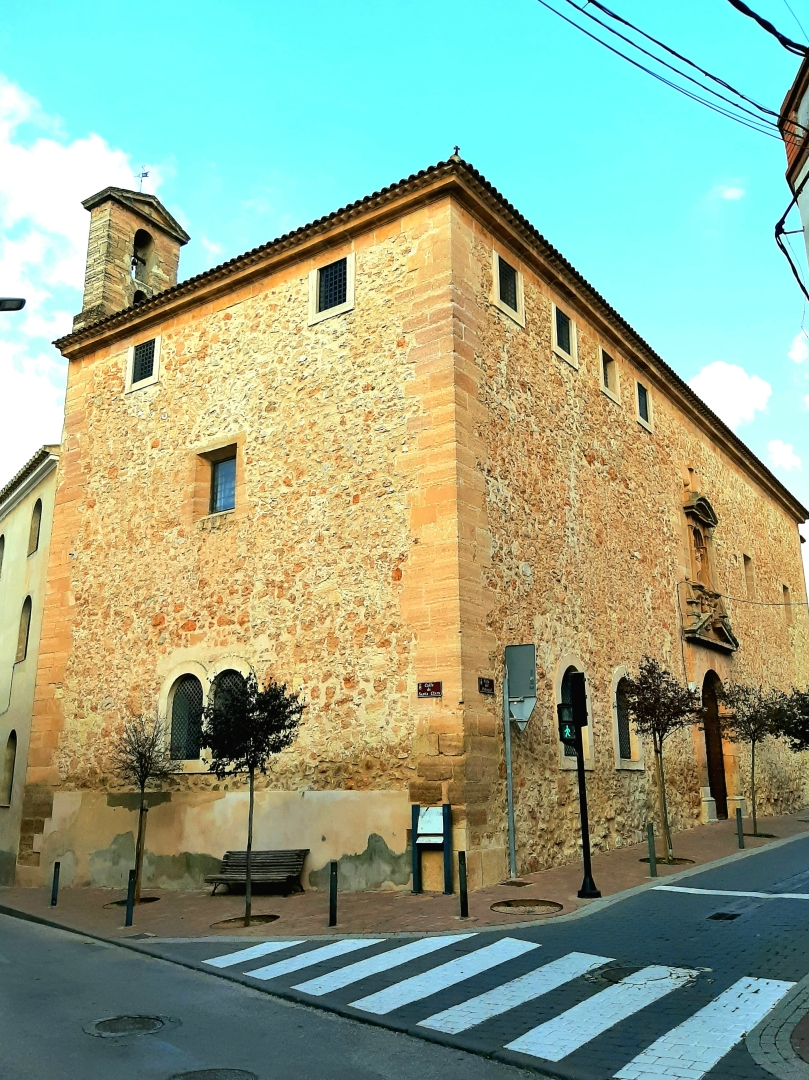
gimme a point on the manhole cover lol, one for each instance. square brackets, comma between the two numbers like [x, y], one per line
[612, 974]
[215, 1074]
[725, 916]
[254, 921]
[527, 906]
[516, 884]
[116, 1026]
[143, 900]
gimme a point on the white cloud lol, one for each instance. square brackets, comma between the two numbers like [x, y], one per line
[733, 395]
[782, 456]
[731, 193]
[211, 246]
[800, 348]
[43, 243]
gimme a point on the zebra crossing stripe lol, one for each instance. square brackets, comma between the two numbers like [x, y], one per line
[439, 978]
[352, 973]
[728, 892]
[243, 955]
[316, 956]
[584, 1022]
[691, 1049]
[511, 994]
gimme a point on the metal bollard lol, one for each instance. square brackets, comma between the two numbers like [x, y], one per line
[130, 899]
[462, 884]
[55, 886]
[332, 893]
[739, 826]
[650, 836]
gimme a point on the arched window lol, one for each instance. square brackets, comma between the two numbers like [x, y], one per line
[227, 683]
[139, 296]
[701, 569]
[7, 784]
[186, 718]
[36, 522]
[25, 629]
[2, 553]
[567, 699]
[142, 248]
[624, 731]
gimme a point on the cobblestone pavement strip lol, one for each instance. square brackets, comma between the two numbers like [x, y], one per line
[653, 986]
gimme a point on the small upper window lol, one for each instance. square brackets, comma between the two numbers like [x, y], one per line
[36, 525]
[508, 284]
[749, 577]
[223, 485]
[143, 361]
[24, 631]
[787, 604]
[643, 404]
[609, 375]
[332, 285]
[564, 336]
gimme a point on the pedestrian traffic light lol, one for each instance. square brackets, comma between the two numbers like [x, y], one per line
[567, 729]
[578, 695]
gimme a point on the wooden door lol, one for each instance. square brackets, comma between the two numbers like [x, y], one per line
[713, 746]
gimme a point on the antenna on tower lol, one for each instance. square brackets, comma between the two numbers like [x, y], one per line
[141, 176]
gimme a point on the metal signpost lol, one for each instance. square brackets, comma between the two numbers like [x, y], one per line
[572, 718]
[519, 699]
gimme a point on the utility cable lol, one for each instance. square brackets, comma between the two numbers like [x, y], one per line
[795, 17]
[765, 24]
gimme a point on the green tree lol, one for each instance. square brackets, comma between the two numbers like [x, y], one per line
[658, 705]
[244, 726]
[753, 715]
[794, 725]
[140, 755]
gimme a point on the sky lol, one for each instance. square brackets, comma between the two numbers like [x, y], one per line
[254, 118]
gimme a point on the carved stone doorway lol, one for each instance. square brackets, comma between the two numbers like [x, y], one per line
[713, 744]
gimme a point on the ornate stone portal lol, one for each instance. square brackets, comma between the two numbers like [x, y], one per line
[705, 618]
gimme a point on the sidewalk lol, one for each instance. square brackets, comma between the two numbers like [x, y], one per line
[191, 914]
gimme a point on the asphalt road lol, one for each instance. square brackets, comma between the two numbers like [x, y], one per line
[655, 985]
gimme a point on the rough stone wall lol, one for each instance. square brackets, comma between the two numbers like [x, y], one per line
[337, 571]
[578, 545]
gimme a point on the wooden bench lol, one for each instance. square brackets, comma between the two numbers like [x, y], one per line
[266, 868]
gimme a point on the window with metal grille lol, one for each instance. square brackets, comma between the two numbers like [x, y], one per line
[608, 380]
[228, 686]
[24, 631]
[36, 524]
[332, 285]
[143, 361]
[508, 284]
[563, 336]
[186, 718]
[622, 712]
[643, 403]
[223, 485]
[567, 699]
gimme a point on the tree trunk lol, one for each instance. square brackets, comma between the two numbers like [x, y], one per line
[248, 885]
[753, 784]
[664, 810]
[139, 847]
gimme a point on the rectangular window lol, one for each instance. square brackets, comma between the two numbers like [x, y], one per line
[508, 284]
[332, 285]
[143, 361]
[749, 577]
[643, 404]
[223, 485]
[608, 377]
[788, 605]
[563, 336]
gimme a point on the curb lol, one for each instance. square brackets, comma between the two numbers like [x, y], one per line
[770, 1043]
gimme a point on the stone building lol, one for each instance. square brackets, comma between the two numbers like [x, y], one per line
[26, 515]
[369, 454]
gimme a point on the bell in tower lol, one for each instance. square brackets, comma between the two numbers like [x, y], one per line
[133, 252]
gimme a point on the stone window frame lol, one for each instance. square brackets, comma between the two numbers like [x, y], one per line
[315, 316]
[571, 357]
[649, 424]
[517, 316]
[131, 387]
[206, 675]
[635, 763]
[613, 395]
[197, 501]
[568, 764]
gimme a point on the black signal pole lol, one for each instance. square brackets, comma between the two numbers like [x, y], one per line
[572, 718]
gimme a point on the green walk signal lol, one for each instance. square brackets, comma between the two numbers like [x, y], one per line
[567, 733]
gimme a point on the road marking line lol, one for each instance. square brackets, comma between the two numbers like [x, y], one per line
[302, 960]
[511, 994]
[439, 978]
[584, 1022]
[691, 1049]
[243, 955]
[352, 973]
[727, 892]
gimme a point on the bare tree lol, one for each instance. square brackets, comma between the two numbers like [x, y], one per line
[244, 726]
[754, 714]
[140, 756]
[658, 705]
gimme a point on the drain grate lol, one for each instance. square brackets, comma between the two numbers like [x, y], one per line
[117, 1026]
[725, 916]
[215, 1074]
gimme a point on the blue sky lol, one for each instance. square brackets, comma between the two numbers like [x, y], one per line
[255, 118]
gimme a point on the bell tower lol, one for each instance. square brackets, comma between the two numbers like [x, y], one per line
[133, 252]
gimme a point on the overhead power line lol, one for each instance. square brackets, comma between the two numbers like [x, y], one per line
[765, 24]
[795, 17]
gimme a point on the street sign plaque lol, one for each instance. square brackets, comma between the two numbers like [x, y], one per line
[430, 689]
[486, 686]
